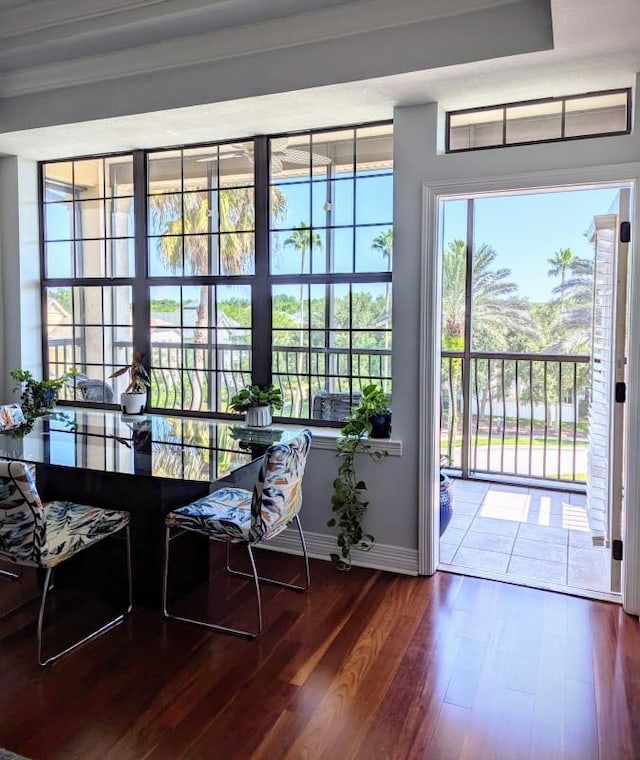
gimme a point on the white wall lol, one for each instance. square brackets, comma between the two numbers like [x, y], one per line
[20, 320]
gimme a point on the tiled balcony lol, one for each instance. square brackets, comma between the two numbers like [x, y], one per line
[525, 535]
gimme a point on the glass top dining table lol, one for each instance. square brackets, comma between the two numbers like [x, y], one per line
[157, 446]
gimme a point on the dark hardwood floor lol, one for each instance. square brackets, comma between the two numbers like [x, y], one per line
[366, 665]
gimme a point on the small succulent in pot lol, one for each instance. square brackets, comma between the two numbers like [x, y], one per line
[134, 397]
[257, 403]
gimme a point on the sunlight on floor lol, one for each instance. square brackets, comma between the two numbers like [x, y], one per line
[538, 535]
[575, 517]
[505, 505]
[544, 517]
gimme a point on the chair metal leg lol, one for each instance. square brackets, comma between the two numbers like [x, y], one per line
[204, 623]
[256, 580]
[305, 553]
[12, 576]
[273, 581]
[165, 570]
[129, 570]
[110, 624]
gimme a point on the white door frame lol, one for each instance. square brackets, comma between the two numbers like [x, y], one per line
[429, 385]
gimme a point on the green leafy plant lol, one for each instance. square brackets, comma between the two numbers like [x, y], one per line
[138, 375]
[373, 402]
[38, 397]
[253, 395]
[348, 501]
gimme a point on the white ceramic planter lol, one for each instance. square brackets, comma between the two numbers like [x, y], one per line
[258, 416]
[133, 403]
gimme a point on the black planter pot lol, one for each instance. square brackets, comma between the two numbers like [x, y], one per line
[381, 425]
[446, 502]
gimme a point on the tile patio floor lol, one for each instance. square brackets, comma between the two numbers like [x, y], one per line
[526, 535]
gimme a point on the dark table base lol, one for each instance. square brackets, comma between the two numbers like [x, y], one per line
[148, 500]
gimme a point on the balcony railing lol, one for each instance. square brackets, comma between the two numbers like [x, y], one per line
[526, 415]
[196, 377]
[338, 374]
[202, 378]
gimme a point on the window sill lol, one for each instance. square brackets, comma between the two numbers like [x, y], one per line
[325, 438]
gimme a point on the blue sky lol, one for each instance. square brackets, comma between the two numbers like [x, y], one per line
[525, 230]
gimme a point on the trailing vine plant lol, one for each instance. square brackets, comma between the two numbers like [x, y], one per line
[348, 501]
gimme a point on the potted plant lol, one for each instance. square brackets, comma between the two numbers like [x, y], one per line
[257, 403]
[347, 501]
[134, 398]
[38, 397]
[373, 411]
[446, 496]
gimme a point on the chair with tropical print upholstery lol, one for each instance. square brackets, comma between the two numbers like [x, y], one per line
[33, 534]
[11, 416]
[237, 516]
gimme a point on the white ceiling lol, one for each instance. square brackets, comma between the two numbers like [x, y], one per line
[38, 32]
[596, 46]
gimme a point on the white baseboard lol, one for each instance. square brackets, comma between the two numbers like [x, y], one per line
[395, 559]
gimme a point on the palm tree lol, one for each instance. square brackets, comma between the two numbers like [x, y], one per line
[577, 293]
[497, 311]
[189, 214]
[384, 243]
[190, 217]
[561, 262]
[302, 239]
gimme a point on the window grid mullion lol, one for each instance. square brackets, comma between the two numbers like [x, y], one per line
[140, 323]
[104, 347]
[261, 317]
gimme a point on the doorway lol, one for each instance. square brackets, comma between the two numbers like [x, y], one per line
[533, 306]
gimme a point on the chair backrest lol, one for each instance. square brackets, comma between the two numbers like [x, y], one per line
[277, 495]
[336, 407]
[22, 519]
[333, 406]
[89, 389]
[11, 416]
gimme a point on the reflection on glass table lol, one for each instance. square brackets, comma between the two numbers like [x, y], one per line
[152, 445]
[144, 465]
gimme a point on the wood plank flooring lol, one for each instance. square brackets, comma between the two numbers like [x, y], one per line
[366, 665]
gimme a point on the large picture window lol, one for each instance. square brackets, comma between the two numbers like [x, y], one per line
[201, 263]
[331, 248]
[264, 260]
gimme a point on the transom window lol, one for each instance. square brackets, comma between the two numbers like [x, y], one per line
[263, 260]
[545, 120]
